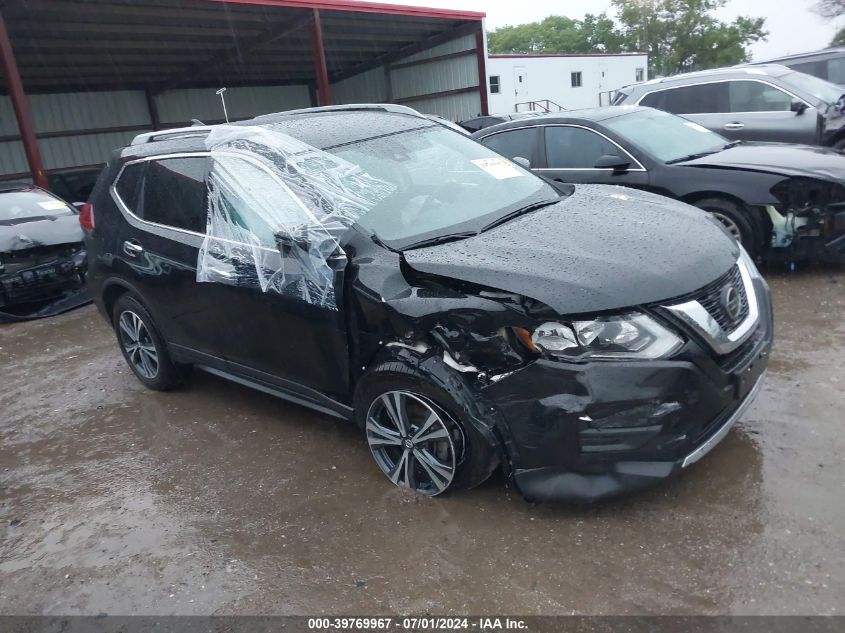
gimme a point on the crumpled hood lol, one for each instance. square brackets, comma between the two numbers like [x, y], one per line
[22, 233]
[778, 158]
[602, 248]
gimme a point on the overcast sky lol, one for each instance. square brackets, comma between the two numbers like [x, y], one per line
[793, 27]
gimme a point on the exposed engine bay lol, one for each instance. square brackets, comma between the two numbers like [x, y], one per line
[810, 219]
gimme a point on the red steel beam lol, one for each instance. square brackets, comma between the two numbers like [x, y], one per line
[482, 72]
[358, 6]
[21, 106]
[321, 69]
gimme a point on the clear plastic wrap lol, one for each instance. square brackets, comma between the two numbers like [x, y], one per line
[276, 210]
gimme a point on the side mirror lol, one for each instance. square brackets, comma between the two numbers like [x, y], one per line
[797, 107]
[522, 162]
[614, 162]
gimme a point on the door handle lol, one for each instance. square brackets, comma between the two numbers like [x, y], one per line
[734, 126]
[132, 248]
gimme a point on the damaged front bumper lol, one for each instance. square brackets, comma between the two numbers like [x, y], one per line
[52, 286]
[589, 431]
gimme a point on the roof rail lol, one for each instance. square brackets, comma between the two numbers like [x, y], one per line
[750, 69]
[201, 130]
[385, 107]
[175, 133]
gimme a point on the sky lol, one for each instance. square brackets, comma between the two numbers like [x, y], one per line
[793, 26]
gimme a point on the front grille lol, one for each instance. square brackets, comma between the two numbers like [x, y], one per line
[710, 297]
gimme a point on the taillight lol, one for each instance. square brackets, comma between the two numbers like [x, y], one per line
[86, 216]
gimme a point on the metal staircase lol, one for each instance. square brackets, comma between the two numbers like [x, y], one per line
[541, 105]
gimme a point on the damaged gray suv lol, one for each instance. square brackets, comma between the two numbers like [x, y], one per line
[376, 266]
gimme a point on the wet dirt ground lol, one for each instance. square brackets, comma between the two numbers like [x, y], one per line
[218, 499]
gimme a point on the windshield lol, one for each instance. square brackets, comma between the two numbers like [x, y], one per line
[30, 203]
[665, 136]
[443, 183]
[822, 90]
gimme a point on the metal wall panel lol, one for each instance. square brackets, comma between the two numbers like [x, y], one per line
[420, 79]
[459, 107]
[439, 76]
[176, 106]
[78, 111]
[88, 149]
[12, 158]
[368, 87]
[464, 43]
[69, 112]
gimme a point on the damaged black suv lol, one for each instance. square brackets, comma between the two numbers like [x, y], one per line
[379, 267]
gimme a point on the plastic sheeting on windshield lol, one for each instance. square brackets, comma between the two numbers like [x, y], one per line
[276, 210]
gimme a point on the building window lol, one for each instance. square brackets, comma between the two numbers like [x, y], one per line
[640, 75]
[495, 87]
[576, 80]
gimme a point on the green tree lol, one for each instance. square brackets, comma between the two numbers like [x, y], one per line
[558, 34]
[678, 35]
[839, 38]
[682, 35]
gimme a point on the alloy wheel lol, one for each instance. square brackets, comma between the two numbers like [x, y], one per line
[138, 345]
[729, 224]
[411, 442]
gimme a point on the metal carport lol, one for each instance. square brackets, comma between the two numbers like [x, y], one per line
[84, 76]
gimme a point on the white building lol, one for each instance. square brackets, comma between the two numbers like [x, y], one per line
[570, 81]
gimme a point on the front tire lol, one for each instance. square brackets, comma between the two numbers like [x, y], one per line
[739, 221]
[417, 436]
[142, 346]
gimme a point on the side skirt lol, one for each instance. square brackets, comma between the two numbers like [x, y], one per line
[326, 404]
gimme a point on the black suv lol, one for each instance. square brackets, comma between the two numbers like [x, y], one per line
[376, 266]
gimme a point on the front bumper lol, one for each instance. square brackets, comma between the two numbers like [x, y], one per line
[42, 290]
[590, 431]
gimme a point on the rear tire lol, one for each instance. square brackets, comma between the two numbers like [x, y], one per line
[142, 346]
[745, 227]
[437, 451]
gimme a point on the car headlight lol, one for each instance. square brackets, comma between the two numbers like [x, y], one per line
[631, 336]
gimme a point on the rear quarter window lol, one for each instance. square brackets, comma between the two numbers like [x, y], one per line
[128, 185]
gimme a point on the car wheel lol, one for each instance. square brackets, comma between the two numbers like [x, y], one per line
[142, 346]
[742, 225]
[416, 438]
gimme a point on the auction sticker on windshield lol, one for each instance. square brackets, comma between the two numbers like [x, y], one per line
[696, 127]
[499, 168]
[52, 205]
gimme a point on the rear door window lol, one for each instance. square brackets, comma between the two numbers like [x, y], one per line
[174, 193]
[755, 96]
[576, 148]
[513, 143]
[699, 99]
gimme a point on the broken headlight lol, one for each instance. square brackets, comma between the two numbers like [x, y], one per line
[631, 336]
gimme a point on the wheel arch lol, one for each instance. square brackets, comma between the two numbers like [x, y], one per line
[115, 287]
[486, 423]
[757, 212]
